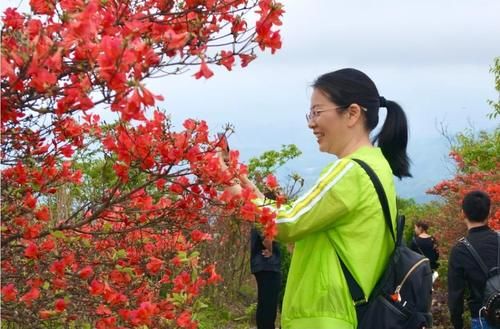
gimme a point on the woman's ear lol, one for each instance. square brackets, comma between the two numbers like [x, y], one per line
[353, 114]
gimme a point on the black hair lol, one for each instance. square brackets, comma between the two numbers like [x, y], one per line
[476, 206]
[423, 225]
[350, 86]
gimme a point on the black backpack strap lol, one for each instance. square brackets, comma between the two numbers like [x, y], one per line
[497, 268]
[381, 194]
[357, 293]
[498, 253]
[474, 254]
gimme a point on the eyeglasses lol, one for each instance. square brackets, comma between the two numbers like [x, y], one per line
[315, 113]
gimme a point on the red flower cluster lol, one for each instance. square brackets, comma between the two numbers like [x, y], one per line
[453, 190]
[103, 221]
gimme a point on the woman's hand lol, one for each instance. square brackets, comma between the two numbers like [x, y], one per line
[267, 253]
[268, 245]
[237, 187]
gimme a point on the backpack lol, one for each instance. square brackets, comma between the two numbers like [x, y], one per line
[402, 296]
[491, 294]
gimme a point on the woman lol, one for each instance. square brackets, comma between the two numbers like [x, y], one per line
[426, 244]
[341, 214]
[266, 267]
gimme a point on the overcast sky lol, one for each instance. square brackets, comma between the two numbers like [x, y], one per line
[431, 56]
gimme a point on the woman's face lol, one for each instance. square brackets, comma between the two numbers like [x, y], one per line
[328, 123]
[418, 230]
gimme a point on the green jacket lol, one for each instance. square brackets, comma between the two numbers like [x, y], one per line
[342, 209]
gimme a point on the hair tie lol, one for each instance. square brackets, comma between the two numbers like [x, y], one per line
[383, 102]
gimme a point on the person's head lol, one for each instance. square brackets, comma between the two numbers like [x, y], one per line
[476, 206]
[421, 227]
[345, 106]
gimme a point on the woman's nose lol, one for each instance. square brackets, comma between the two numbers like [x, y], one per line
[310, 123]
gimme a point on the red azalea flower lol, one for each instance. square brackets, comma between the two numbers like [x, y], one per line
[60, 305]
[9, 293]
[204, 71]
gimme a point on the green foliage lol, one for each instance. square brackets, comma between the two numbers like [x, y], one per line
[54, 324]
[98, 175]
[495, 69]
[415, 212]
[269, 161]
[478, 151]
[225, 317]
[249, 313]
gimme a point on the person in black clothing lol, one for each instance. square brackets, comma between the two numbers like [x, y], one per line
[426, 244]
[265, 264]
[464, 273]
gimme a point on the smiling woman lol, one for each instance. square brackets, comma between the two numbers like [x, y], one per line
[340, 219]
[328, 127]
[352, 92]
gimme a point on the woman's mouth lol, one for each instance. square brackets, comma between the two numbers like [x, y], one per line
[318, 135]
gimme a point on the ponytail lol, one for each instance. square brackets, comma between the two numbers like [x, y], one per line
[393, 139]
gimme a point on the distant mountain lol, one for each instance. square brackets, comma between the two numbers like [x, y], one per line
[430, 165]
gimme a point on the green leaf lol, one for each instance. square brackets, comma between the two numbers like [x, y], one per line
[128, 270]
[178, 299]
[164, 290]
[200, 305]
[58, 234]
[122, 253]
[107, 227]
[182, 256]
[86, 243]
